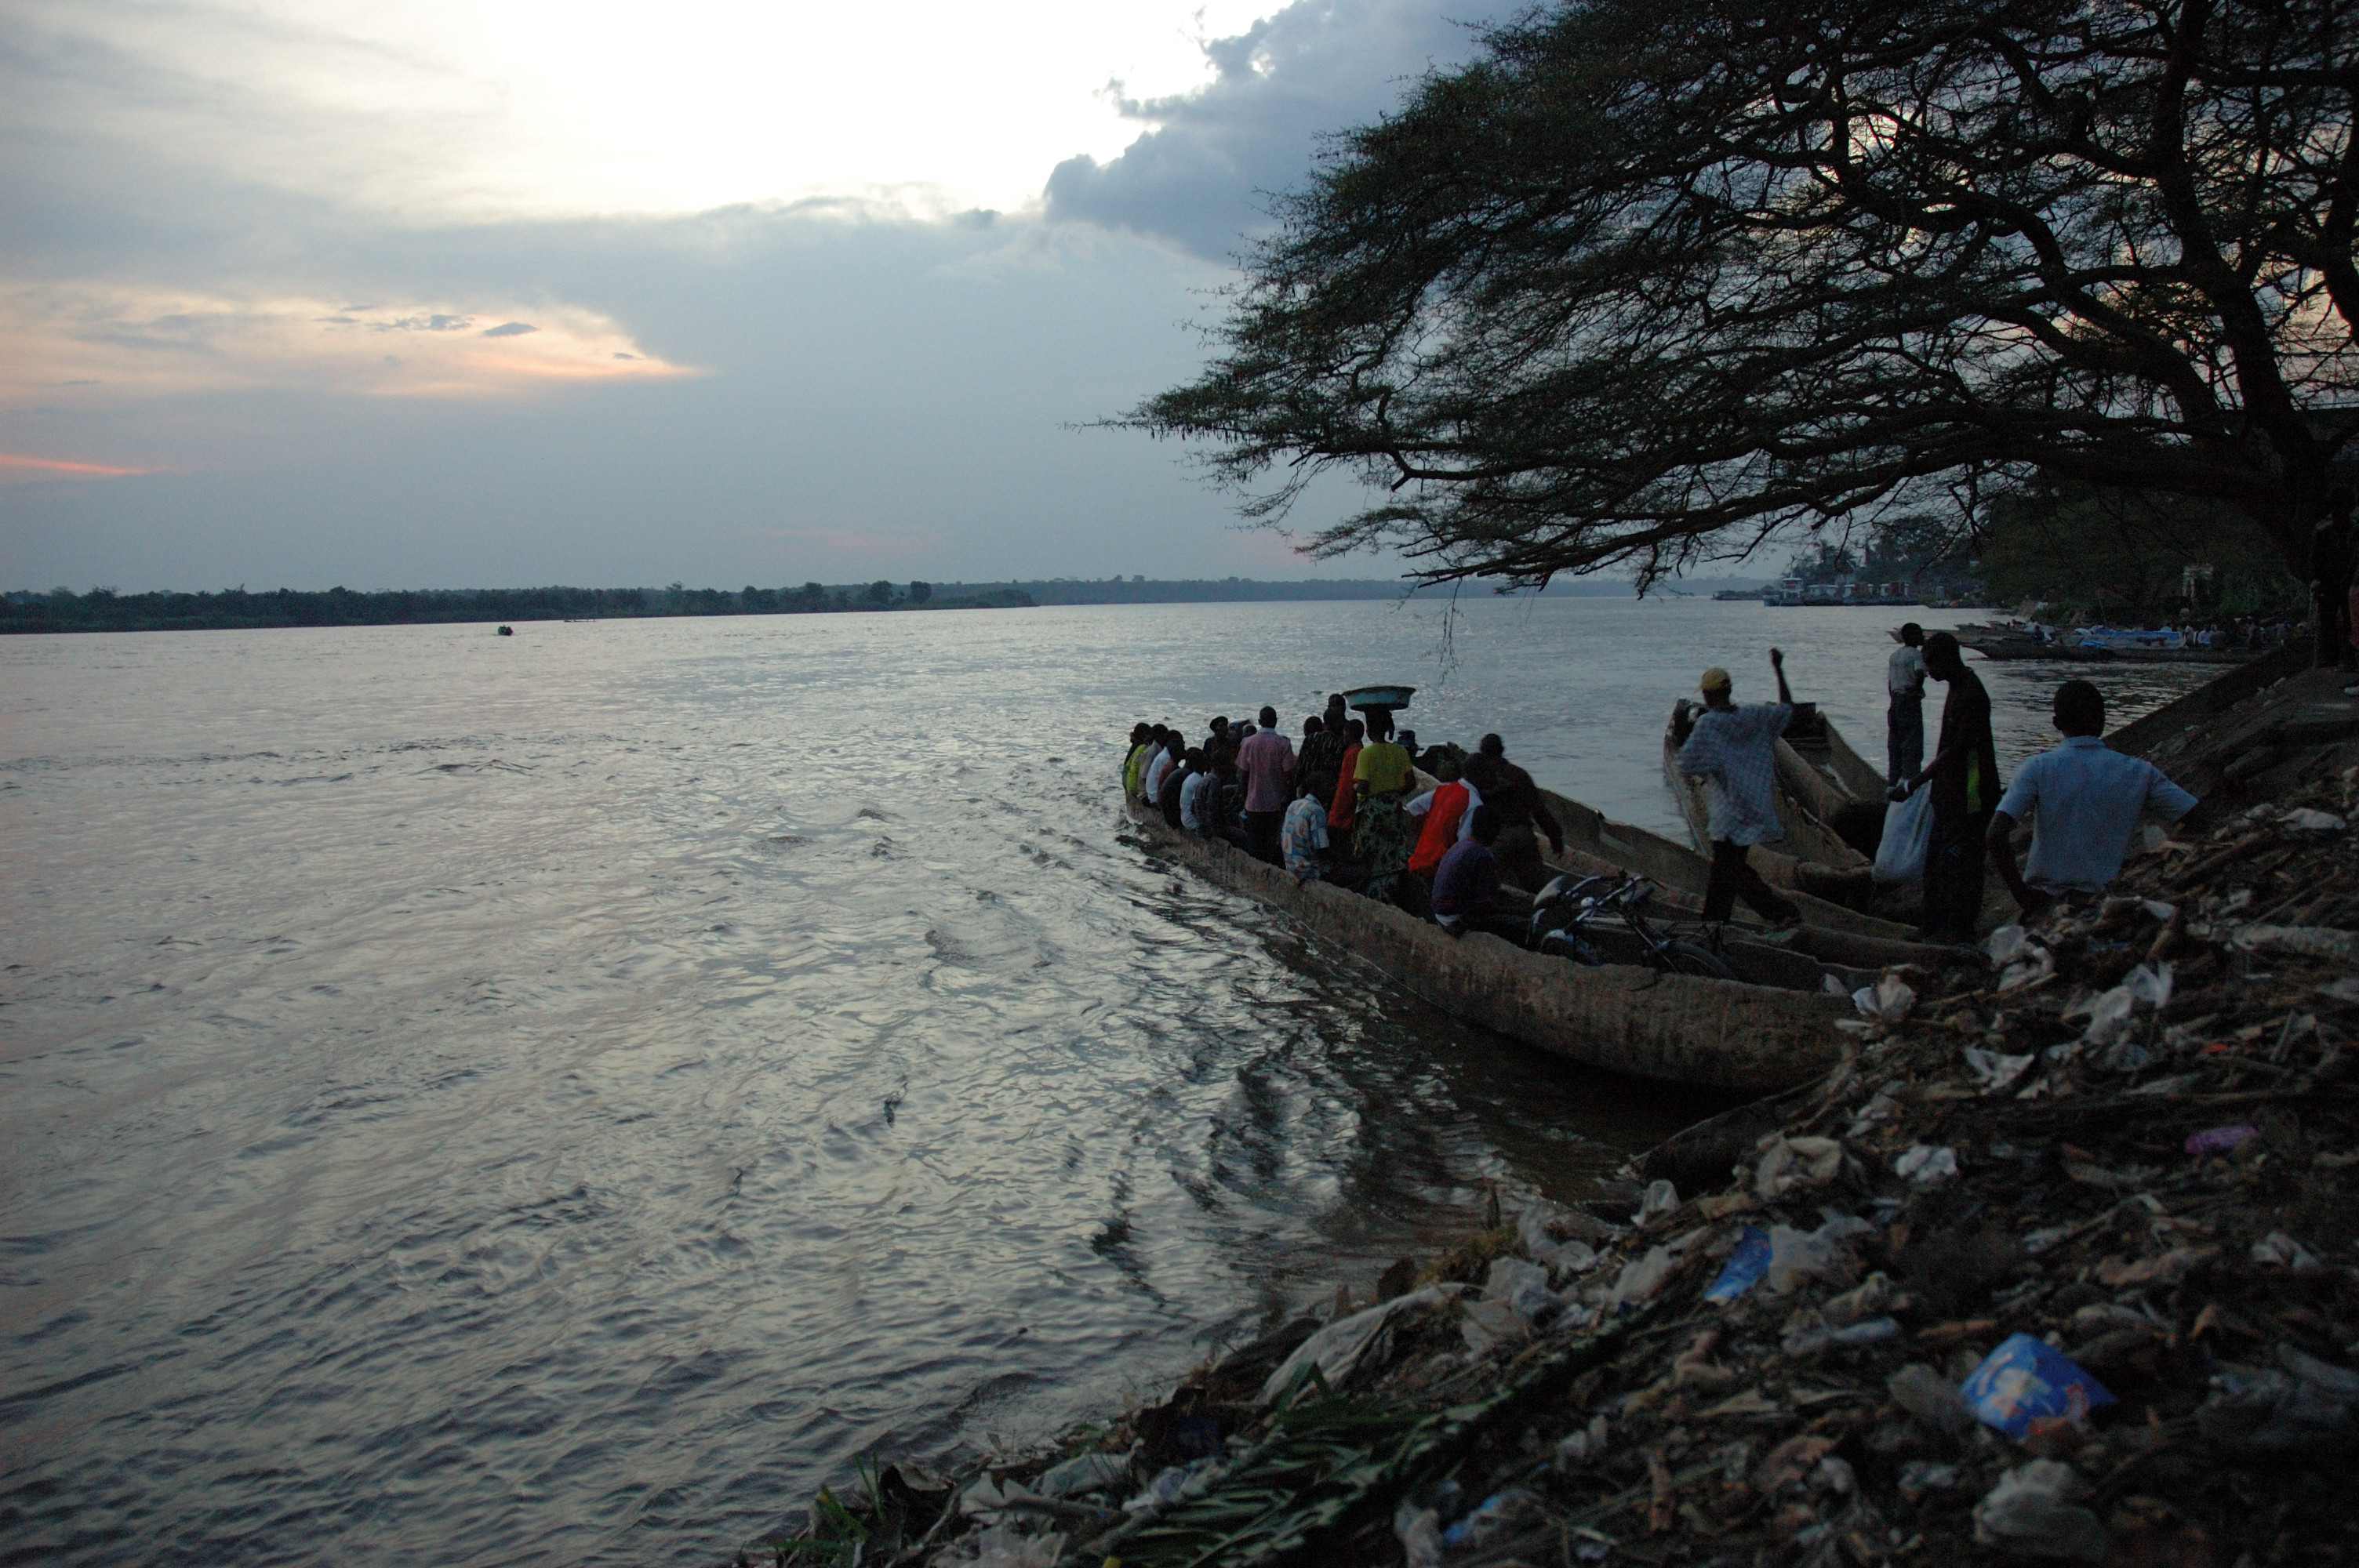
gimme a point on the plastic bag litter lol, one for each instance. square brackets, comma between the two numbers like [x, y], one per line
[1927, 1164]
[2109, 1012]
[1512, 1279]
[1884, 1107]
[1744, 1269]
[1817, 1341]
[1006, 1546]
[1908, 826]
[2280, 1250]
[1888, 999]
[1795, 1254]
[1419, 1530]
[2125, 1056]
[1489, 1324]
[1875, 1296]
[1920, 1476]
[1574, 1255]
[2006, 945]
[1168, 1484]
[1930, 1397]
[2310, 1404]
[1340, 1349]
[2020, 958]
[1996, 1072]
[2034, 967]
[1497, 1515]
[1790, 1163]
[2313, 821]
[1089, 1473]
[1516, 1300]
[2220, 1140]
[1584, 1445]
[1661, 1198]
[2310, 940]
[2025, 1380]
[2031, 1512]
[1641, 1279]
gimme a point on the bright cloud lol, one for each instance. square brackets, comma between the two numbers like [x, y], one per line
[504, 107]
[22, 466]
[82, 345]
[703, 289]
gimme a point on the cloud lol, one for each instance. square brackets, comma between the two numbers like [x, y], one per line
[1202, 175]
[98, 344]
[285, 381]
[19, 466]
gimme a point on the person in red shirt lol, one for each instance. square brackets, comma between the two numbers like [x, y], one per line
[1266, 761]
[1444, 807]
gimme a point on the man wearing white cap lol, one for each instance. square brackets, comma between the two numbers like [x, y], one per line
[1733, 751]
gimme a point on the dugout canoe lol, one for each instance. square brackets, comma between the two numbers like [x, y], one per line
[1833, 933]
[1726, 1036]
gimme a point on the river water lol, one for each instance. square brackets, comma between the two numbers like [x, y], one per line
[559, 1099]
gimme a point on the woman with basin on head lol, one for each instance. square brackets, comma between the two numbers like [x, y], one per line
[1382, 832]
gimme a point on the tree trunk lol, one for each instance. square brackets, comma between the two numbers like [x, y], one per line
[2329, 584]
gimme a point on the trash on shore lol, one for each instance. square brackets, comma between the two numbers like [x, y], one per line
[2057, 1264]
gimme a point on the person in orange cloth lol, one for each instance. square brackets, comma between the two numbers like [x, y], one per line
[1448, 809]
[1346, 808]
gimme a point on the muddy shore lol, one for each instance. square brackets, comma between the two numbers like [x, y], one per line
[2058, 1264]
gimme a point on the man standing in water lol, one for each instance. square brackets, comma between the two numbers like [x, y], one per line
[1266, 760]
[1963, 775]
[1904, 725]
[1733, 750]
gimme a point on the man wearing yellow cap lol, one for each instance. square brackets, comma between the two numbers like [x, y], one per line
[1733, 751]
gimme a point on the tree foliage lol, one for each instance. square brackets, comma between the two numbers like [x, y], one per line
[1652, 280]
[2119, 554]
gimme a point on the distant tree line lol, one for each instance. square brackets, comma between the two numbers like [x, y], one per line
[103, 610]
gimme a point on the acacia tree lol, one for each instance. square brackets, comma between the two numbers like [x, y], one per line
[1652, 280]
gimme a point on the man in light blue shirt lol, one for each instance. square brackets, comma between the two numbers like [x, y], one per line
[1733, 750]
[2087, 798]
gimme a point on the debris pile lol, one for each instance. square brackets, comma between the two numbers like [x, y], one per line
[2057, 1265]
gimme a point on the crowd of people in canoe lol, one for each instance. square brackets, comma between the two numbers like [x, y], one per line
[1447, 834]
[1356, 805]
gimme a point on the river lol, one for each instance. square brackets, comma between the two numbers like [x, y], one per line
[558, 1098]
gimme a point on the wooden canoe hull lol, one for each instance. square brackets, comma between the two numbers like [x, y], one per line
[1594, 844]
[1712, 1035]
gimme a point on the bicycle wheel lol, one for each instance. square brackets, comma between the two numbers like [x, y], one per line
[1687, 958]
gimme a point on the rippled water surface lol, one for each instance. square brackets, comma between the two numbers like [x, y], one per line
[559, 1097]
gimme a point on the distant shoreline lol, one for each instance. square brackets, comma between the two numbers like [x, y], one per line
[232, 609]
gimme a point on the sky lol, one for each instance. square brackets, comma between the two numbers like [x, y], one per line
[462, 292]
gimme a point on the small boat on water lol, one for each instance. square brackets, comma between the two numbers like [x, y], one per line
[1767, 1030]
[2005, 642]
[1728, 1036]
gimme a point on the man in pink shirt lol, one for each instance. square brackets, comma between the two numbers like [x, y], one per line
[1266, 761]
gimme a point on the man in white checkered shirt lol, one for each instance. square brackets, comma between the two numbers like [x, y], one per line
[1733, 750]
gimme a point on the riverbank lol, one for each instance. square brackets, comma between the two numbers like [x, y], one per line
[2057, 1261]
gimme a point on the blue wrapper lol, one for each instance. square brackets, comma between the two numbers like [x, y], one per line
[1745, 1267]
[2025, 1380]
